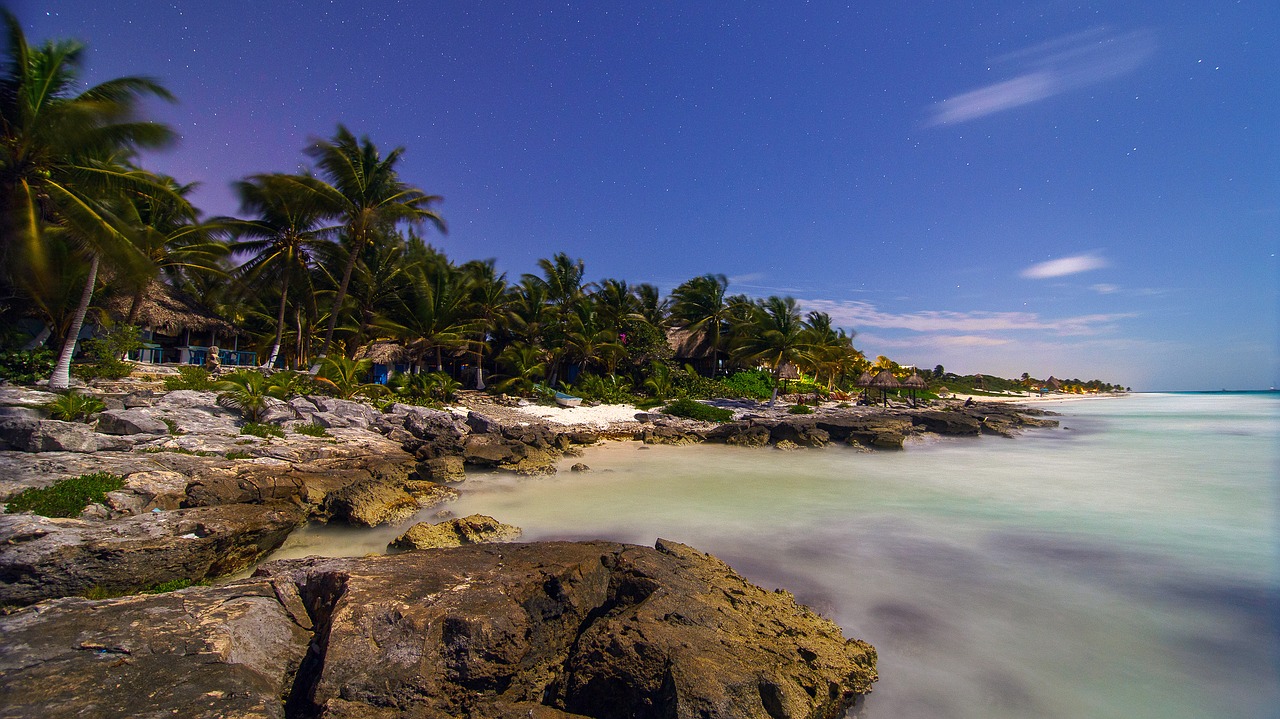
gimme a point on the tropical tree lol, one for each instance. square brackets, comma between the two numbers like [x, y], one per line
[245, 391]
[63, 170]
[362, 188]
[522, 366]
[434, 314]
[490, 307]
[282, 240]
[700, 306]
[345, 377]
[775, 336]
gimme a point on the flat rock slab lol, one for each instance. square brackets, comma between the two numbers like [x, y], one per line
[474, 529]
[551, 630]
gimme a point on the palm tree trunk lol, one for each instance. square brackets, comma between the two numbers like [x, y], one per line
[275, 349]
[337, 302]
[61, 377]
[134, 306]
[40, 339]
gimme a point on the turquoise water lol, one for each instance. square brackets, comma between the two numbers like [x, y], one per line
[1125, 566]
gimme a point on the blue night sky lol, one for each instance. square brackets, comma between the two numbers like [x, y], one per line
[1079, 189]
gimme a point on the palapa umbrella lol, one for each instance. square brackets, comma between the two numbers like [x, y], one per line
[786, 372]
[863, 381]
[914, 383]
[885, 381]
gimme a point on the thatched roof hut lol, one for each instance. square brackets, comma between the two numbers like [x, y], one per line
[689, 345]
[1053, 384]
[383, 353]
[864, 380]
[914, 384]
[168, 311]
[885, 380]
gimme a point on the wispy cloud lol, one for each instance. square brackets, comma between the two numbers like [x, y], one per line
[1105, 289]
[1048, 69]
[1064, 266]
[858, 314]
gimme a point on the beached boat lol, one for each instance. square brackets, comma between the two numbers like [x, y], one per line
[567, 400]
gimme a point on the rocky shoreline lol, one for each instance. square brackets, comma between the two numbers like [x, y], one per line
[201, 501]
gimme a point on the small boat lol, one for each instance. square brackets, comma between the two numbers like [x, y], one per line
[567, 400]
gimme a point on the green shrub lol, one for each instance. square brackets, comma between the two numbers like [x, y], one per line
[610, 389]
[688, 383]
[67, 498]
[75, 407]
[311, 430]
[189, 377]
[172, 585]
[104, 354]
[697, 410]
[173, 426]
[259, 429]
[106, 368]
[800, 409]
[26, 366]
[237, 454]
[756, 384]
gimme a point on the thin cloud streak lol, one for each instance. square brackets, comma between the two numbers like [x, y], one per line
[857, 314]
[1049, 69]
[1064, 266]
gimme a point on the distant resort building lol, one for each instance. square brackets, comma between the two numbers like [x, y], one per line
[178, 330]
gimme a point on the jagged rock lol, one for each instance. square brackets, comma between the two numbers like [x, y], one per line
[579, 467]
[42, 558]
[435, 433]
[483, 424]
[442, 469]
[51, 435]
[584, 437]
[130, 421]
[383, 501]
[475, 529]
[355, 413]
[303, 408]
[740, 434]
[551, 630]
[203, 653]
[489, 450]
[139, 398]
[329, 420]
[802, 433]
[148, 490]
[24, 412]
[949, 423]
[662, 433]
[278, 412]
[786, 445]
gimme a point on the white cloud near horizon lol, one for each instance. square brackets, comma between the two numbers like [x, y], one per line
[1049, 69]
[858, 314]
[1064, 266]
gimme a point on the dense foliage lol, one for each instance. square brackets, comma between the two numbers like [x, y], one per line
[697, 410]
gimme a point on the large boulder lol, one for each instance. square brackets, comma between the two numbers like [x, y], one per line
[949, 423]
[380, 500]
[204, 653]
[551, 630]
[42, 558]
[51, 435]
[474, 529]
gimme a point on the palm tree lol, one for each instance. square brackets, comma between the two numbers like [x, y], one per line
[62, 165]
[282, 239]
[491, 302]
[776, 336]
[362, 188]
[700, 306]
[523, 367]
[434, 315]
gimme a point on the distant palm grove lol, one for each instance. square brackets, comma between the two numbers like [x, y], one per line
[332, 263]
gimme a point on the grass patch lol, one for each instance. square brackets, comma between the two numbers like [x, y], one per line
[190, 377]
[311, 430]
[173, 426]
[172, 585]
[697, 410]
[67, 498]
[259, 429]
[237, 454]
[800, 409]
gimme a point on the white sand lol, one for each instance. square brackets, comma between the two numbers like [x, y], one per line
[602, 416]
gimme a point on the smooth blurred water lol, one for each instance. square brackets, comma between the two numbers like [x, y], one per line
[1125, 566]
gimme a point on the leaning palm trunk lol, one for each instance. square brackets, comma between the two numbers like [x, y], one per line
[61, 378]
[39, 340]
[337, 304]
[275, 348]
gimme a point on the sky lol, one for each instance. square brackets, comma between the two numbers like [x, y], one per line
[1075, 189]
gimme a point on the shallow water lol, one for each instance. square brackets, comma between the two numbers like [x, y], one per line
[1123, 567]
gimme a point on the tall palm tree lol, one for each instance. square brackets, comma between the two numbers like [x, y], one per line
[776, 336]
[282, 240]
[63, 164]
[491, 301]
[435, 313]
[700, 306]
[361, 187]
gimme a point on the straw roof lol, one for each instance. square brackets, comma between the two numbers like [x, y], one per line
[788, 371]
[169, 311]
[885, 380]
[383, 352]
[915, 381]
[689, 345]
[864, 380]
[1053, 383]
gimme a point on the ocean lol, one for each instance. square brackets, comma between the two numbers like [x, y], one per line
[1124, 565]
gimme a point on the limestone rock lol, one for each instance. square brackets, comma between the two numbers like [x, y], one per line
[475, 529]
[949, 423]
[51, 435]
[130, 421]
[551, 630]
[442, 469]
[378, 501]
[203, 653]
[41, 558]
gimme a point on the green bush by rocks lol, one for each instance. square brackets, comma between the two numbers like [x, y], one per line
[26, 366]
[67, 498]
[697, 410]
